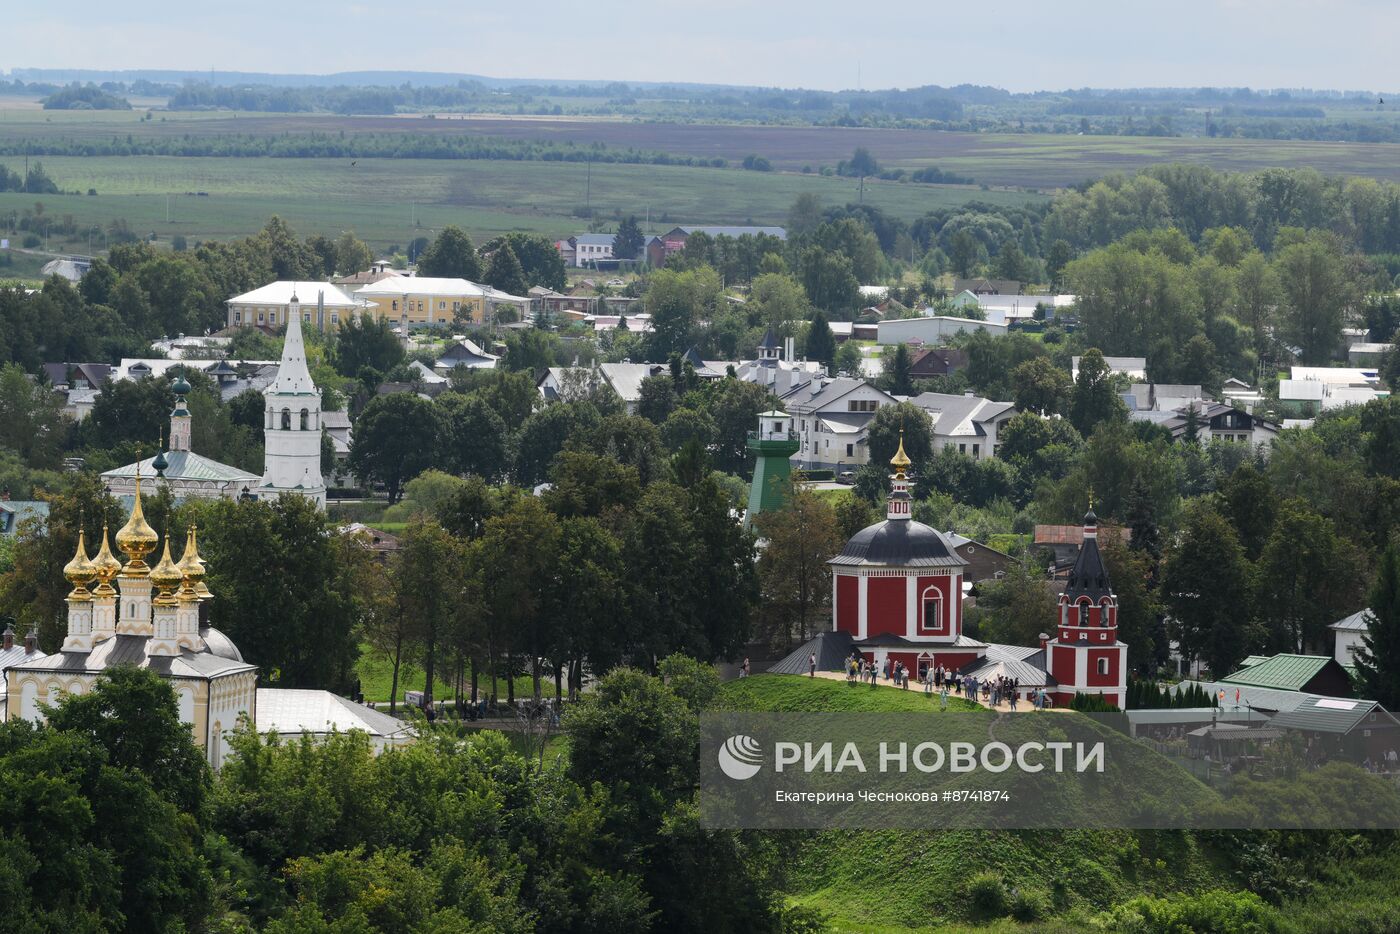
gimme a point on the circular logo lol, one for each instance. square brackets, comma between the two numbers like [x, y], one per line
[740, 757]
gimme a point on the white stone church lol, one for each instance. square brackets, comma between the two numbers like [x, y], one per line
[155, 617]
[292, 446]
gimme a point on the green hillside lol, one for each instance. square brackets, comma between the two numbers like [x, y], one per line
[798, 694]
[892, 882]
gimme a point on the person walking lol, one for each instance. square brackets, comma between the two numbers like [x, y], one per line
[928, 680]
[943, 697]
[812, 665]
[744, 668]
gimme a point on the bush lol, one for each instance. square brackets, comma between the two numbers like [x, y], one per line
[819, 475]
[987, 895]
[1214, 912]
[1028, 906]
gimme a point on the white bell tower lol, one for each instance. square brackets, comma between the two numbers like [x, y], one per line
[292, 451]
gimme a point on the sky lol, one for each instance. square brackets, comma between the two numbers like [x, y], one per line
[1020, 45]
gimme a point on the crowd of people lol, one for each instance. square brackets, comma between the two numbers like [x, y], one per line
[940, 680]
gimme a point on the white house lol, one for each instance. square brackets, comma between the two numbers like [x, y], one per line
[969, 424]
[1134, 367]
[832, 417]
[931, 330]
[590, 248]
[1349, 632]
[1215, 421]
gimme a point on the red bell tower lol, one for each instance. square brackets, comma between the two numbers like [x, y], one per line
[1085, 656]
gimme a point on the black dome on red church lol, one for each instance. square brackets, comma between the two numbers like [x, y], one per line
[898, 543]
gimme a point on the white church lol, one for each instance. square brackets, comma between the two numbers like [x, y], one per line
[156, 616]
[292, 446]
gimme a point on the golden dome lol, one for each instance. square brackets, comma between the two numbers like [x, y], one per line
[192, 569]
[80, 571]
[900, 462]
[136, 539]
[166, 576]
[106, 567]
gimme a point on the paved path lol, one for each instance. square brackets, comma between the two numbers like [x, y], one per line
[915, 687]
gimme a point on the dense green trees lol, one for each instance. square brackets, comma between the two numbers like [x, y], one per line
[451, 255]
[396, 438]
[1206, 586]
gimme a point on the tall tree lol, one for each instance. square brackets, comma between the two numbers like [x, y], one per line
[1206, 586]
[1318, 289]
[893, 422]
[352, 254]
[1309, 576]
[821, 343]
[361, 342]
[428, 571]
[504, 271]
[1040, 386]
[396, 438]
[898, 378]
[1093, 400]
[451, 255]
[1378, 660]
[629, 240]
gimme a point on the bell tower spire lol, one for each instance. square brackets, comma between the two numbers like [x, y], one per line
[898, 506]
[292, 462]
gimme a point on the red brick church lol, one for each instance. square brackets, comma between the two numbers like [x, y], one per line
[897, 595]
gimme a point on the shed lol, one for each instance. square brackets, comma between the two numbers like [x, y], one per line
[1313, 674]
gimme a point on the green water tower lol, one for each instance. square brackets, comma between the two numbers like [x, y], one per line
[773, 445]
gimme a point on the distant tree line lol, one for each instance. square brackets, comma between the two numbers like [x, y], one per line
[350, 146]
[85, 97]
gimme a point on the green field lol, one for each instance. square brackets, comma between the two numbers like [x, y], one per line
[390, 201]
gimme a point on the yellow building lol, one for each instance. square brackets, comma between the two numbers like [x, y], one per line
[428, 301]
[323, 305]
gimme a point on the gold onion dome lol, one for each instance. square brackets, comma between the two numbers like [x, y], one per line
[80, 571]
[192, 567]
[166, 575]
[900, 462]
[137, 539]
[106, 567]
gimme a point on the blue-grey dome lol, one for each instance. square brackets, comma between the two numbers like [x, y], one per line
[898, 543]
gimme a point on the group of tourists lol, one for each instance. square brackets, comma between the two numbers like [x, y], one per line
[940, 680]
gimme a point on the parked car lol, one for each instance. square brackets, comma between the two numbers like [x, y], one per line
[846, 476]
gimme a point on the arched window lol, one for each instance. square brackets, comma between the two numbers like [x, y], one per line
[305, 419]
[1103, 613]
[1083, 614]
[286, 419]
[932, 618]
[1103, 666]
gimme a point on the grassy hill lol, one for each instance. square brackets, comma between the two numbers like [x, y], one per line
[795, 693]
[895, 882]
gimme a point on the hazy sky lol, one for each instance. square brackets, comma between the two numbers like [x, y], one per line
[1016, 44]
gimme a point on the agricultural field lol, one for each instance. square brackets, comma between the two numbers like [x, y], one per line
[1026, 160]
[391, 201]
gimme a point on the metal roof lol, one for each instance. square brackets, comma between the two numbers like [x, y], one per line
[281, 292]
[1254, 660]
[1170, 715]
[885, 641]
[1281, 672]
[831, 647]
[898, 543]
[131, 650]
[1025, 665]
[1360, 621]
[186, 465]
[1332, 715]
[1258, 698]
[294, 711]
